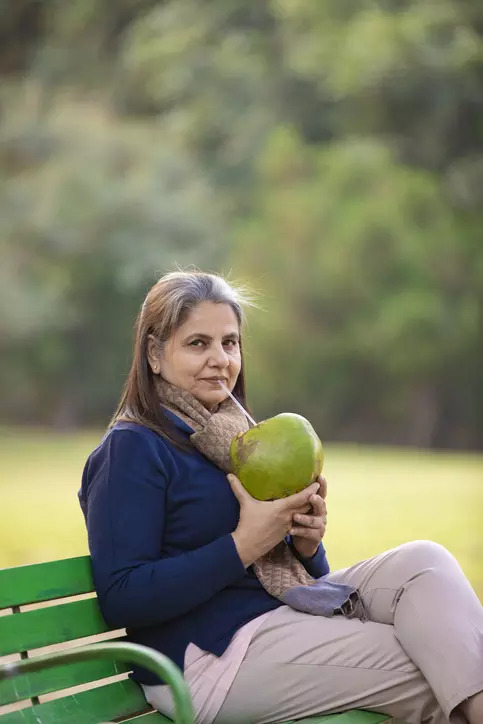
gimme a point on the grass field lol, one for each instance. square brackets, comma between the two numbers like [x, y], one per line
[378, 498]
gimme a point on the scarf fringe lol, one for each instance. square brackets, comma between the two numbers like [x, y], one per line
[354, 607]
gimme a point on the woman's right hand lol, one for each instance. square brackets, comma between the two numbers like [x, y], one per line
[263, 524]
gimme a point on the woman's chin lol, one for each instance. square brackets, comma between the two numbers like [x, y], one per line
[212, 399]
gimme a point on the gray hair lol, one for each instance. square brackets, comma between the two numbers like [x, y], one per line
[171, 299]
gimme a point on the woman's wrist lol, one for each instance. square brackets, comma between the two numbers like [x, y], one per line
[243, 549]
[304, 549]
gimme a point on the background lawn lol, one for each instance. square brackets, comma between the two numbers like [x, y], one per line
[378, 498]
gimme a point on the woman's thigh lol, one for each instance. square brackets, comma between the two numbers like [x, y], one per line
[301, 665]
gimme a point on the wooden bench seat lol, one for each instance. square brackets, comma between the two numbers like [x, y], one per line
[51, 605]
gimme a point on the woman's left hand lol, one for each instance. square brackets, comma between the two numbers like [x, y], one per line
[308, 530]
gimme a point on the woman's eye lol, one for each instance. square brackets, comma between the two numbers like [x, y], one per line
[231, 343]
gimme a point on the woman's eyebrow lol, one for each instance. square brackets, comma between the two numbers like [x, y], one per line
[201, 335]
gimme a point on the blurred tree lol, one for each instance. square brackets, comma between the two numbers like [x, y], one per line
[88, 222]
[20, 29]
[374, 287]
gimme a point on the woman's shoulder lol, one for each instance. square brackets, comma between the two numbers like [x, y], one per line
[129, 440]
[127, 451]
[128, 429]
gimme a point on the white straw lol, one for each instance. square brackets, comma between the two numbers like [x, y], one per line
[236, 402]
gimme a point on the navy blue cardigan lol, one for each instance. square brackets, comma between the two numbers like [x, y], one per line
[165, 565]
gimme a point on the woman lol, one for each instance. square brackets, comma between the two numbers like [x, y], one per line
[175, 547]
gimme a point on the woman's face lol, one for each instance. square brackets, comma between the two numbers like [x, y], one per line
[203, 350]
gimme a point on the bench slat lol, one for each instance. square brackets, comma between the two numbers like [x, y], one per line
[55, 678]
[50, 625]
[113, 701]
[45, 581]
[25, 686]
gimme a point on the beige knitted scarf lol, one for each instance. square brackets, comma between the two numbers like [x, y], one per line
[279, 571]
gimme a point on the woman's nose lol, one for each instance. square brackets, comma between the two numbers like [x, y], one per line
[219, 357]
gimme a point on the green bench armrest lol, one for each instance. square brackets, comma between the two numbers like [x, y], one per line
[127, 652]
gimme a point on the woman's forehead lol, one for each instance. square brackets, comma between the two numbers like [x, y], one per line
[209, 317]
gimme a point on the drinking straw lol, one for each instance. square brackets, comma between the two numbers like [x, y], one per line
[236, 402]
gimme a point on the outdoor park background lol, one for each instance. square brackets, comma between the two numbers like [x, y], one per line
[329, 155]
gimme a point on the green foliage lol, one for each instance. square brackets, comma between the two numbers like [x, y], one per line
[330, 153]
[87, 228]
[381, 301]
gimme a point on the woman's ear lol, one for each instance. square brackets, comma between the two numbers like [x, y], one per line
[152, 351]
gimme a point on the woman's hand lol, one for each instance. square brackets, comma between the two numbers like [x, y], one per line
[308, 530]
[263, 524]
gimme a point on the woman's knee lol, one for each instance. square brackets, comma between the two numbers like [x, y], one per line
[425, 553]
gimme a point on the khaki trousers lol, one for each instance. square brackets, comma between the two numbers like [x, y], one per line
[418, 656]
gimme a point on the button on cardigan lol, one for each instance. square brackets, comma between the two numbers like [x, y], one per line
[165, 566]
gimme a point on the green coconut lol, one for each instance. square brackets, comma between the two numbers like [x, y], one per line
[278, 457]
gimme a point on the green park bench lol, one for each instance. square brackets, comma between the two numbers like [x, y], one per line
[60, 621]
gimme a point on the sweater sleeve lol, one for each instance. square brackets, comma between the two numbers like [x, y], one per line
[317, 565]
[125, 514]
